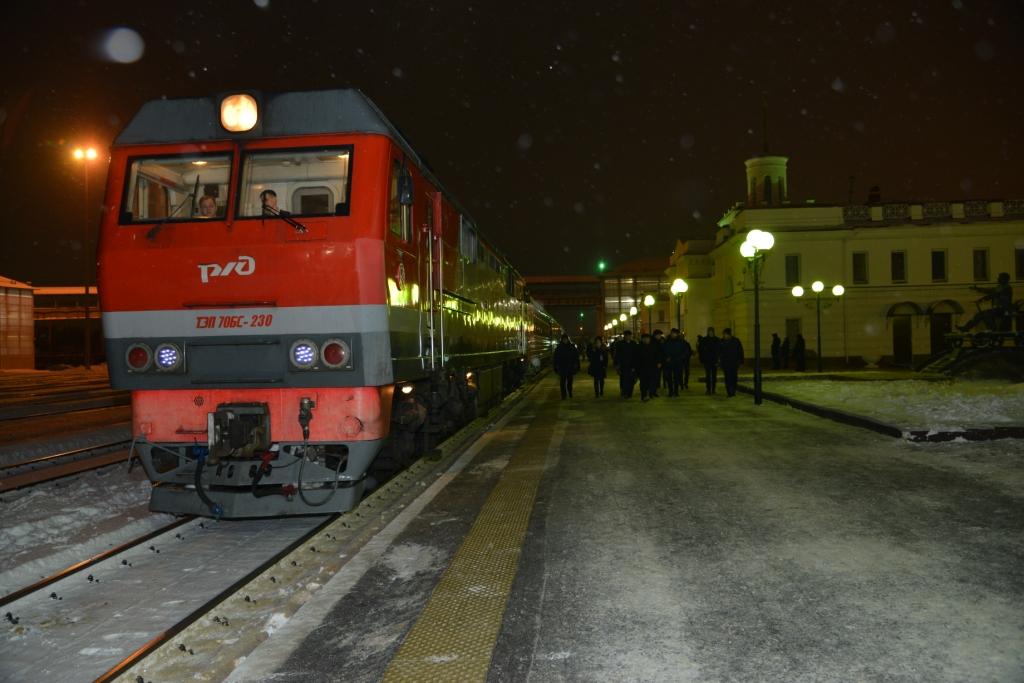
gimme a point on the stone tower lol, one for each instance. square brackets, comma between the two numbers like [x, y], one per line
[766, 181]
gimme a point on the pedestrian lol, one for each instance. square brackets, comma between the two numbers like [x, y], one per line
[800, 353]
[658, 340]
[687, 354]
[785, 353]
[649, 366]
[675, 356]
[626, 358]
[730, 357]
[776, 350]
[567, 364]
[707, 351]
[598, 367]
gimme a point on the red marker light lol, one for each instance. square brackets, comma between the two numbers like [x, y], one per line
[335, 353]
[138, 357]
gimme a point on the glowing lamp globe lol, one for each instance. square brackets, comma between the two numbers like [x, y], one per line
[817, 286]
[798, 291]
[838, 290]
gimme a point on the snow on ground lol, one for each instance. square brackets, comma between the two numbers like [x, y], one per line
[938, 406]
[50, 527]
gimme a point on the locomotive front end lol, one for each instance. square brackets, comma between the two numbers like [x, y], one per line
[243, 303]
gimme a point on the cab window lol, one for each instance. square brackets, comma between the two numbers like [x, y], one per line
[399, 214]
[301, 182]
[176, 188]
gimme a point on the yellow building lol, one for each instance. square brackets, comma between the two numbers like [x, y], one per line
[907, 268]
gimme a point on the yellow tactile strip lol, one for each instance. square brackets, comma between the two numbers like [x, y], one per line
[454, 637]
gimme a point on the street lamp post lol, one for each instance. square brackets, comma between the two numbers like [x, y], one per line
[753, 249]
[86, 155]
[632, 314]
[818, 287]
[649, 303]
[678, 288]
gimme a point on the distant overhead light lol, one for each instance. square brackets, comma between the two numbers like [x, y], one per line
[199, 163]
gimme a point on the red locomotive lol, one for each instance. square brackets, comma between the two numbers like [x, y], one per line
[291, 296]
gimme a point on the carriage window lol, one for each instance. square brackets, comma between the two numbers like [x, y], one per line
[303, 182]
[176, 188]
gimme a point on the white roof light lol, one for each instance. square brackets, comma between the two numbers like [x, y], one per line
[238, 113]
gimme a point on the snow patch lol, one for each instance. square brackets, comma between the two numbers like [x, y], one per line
[276, 621]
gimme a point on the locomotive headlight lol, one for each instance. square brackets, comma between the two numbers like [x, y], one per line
[335, 353]
[238, 113]
[138, 357]
[168, 357]
[303, 354]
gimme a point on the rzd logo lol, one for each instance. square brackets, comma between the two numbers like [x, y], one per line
[245, 265]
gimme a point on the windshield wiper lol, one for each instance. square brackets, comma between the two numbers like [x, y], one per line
[160, 224]
[283, 215]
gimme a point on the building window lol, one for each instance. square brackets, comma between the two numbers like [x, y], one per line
[1018, 259]
[981, 265]
[899, 266]
[792, 269]
[860, 267]
[938, 265]
[768, 189]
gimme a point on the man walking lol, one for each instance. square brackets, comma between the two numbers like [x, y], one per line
[707, 350]
[730, 356]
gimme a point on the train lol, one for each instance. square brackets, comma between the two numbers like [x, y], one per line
[297, 305]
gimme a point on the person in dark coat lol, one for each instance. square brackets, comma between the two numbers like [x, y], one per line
[675, 356]
[687, 354]
[598, 368]
[776, 351]
[658, 337]
[730, 357]
[626, 359]
[800, 353]
[707, 350]
[649, 367]
[567, 364]
[785, 353]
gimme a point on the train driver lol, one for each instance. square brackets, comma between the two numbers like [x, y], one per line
[268, 199]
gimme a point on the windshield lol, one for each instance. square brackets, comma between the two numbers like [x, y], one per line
[180, 187]
[297, 182]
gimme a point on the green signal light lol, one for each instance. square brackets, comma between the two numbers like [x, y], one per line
[601, 265]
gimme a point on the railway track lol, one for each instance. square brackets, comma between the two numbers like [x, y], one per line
[92, 625]
[89, 562]
[63, 403]
[49, 467]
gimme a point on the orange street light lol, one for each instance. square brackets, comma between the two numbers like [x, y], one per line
[85, 155]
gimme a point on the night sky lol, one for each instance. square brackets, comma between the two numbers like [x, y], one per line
[572, 131]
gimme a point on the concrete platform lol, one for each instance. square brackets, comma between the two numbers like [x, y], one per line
[698, 538]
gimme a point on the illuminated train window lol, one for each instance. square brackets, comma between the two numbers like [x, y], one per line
[303, 182]
[176, 188]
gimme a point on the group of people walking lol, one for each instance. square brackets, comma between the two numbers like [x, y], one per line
[781, 351]
[655, 362]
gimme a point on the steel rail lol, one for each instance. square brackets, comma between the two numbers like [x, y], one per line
[85, 564]
[66, 454]
[59, 470]
[28, 411]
